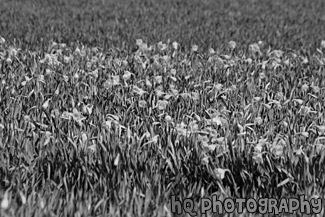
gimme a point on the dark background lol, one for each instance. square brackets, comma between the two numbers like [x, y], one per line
[283, 24]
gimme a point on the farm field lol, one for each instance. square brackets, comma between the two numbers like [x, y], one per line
[111, 108]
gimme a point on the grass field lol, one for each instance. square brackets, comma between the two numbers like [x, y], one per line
[111, 108]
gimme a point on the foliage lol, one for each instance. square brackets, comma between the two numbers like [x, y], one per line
[108, 124]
